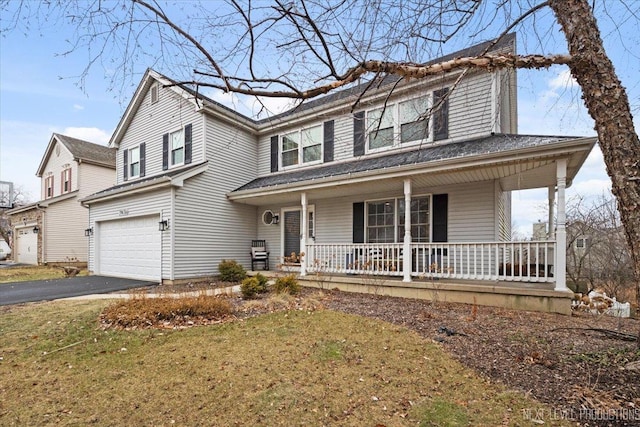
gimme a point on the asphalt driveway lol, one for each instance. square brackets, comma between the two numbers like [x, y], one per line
[46, 290]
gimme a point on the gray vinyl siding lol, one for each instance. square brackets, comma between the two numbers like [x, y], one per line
[470, 114]
[208, 227]
[471, 212]
[152, 203]
[271, 234]
[171, 113]
[470, 107]
[64, 224]
[343, 134]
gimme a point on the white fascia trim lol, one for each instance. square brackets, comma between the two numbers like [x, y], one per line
[564, 148]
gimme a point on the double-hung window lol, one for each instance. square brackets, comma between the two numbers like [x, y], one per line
[399, 123]
[380, 126]
[48, 187]
[414, 126]
[134, 162]
[385, 220]
[380, 221]
[302, 146]
[176, 139]
[66, 180]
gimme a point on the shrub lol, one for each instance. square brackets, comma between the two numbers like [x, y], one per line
[262, 283]
[250, 287]
[146, 312]
[231, 271]
[287, 284]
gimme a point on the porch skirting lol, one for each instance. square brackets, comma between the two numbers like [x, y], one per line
[516, 296]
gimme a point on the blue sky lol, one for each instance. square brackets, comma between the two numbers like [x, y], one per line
[39, 95]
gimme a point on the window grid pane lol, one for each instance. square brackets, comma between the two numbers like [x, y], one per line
[381, 220]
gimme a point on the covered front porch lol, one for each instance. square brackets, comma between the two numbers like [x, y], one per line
[349, 226]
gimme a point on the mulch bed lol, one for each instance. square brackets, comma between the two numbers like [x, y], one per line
[576, 364]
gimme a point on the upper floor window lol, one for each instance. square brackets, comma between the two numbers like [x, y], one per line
[134, 162]
[66, 180]
[407, 121]
[177, 147]
[48, 187]
[302, 146]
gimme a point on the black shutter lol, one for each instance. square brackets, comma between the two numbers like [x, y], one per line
[328, 141]
[441, 115]
[358, 222]
[187, 144]
[440, 217]
[358, 134]
[125, 172]
[274, 153]
[142, 160]
[165, 151]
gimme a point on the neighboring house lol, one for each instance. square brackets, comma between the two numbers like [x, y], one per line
[196, 182]
[53, 229]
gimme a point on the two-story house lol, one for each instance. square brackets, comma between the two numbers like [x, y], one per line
[52, 230]
[391, 178]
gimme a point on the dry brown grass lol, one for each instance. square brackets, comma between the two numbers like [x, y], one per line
[297, 367]
[24, 274]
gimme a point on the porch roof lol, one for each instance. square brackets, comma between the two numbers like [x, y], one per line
[519, 161]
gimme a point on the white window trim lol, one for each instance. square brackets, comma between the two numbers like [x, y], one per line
[64, 180]
[394, 107]
[301, 163]
[397, 238]
[130, 163]
[171, 164]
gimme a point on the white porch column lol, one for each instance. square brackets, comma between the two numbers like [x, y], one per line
[551, 230]
[406, 248]
[303, 236]
[561, 234]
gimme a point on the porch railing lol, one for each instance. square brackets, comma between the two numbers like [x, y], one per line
[530, 261]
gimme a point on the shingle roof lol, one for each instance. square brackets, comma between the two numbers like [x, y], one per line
[496, 143]
[88, 151]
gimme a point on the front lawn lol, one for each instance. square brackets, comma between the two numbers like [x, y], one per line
[285, 368]
[27, 273]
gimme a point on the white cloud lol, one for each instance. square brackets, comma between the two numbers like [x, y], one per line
[563, 80]
[251, 106]
[78, 107]
[95, 135]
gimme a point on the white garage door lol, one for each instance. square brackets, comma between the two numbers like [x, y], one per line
[129, 248]
[26, 245]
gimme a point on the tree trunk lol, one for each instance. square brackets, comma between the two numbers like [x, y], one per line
[608, 104]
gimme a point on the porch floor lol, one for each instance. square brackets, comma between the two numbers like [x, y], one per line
[529, 296]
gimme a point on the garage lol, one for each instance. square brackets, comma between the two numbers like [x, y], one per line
[26, 245]
[129, 248]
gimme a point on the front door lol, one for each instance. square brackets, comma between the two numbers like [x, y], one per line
[292, 231]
